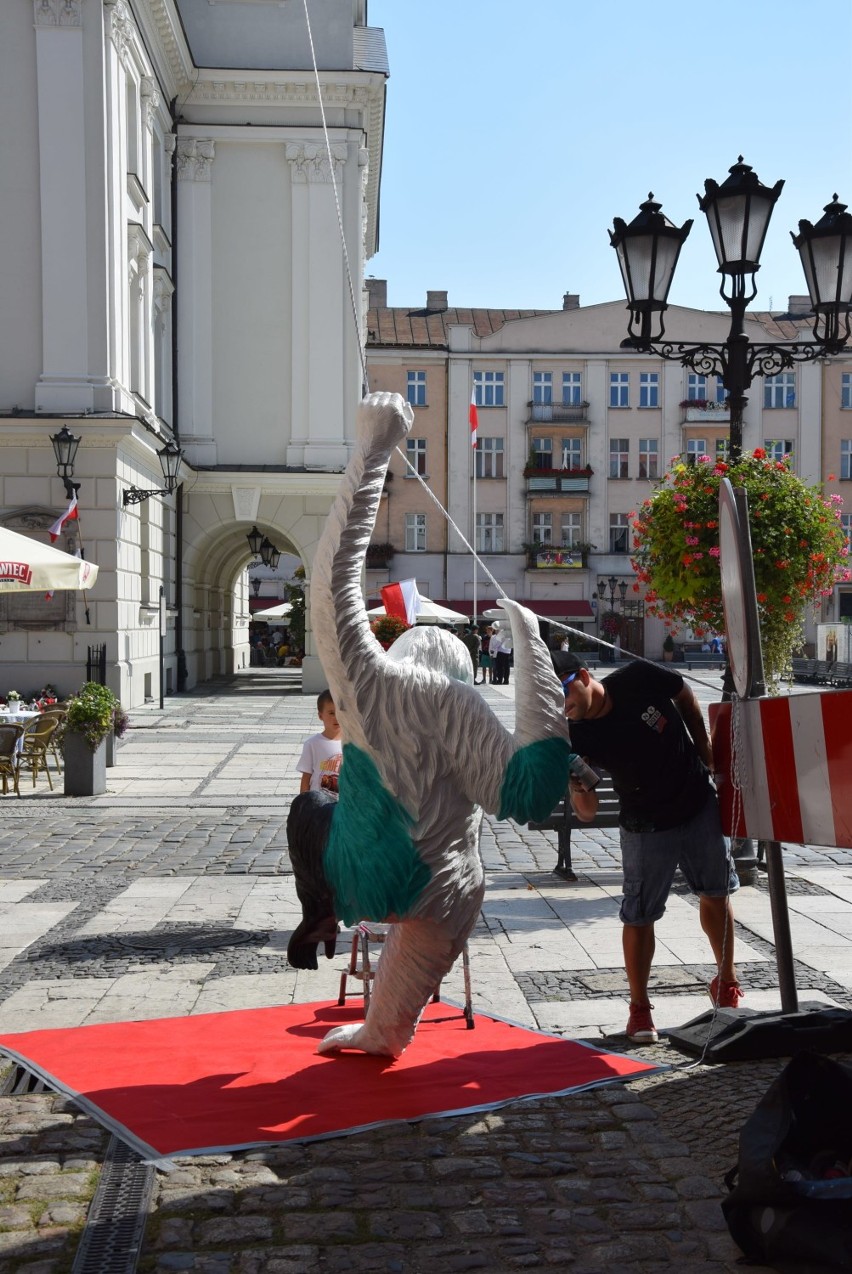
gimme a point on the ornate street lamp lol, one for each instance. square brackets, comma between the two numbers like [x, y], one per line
[170, 458]
[65, 446]
[738, 214]
[255, 539]
[255, 585]
[269, 554]
[826, 252]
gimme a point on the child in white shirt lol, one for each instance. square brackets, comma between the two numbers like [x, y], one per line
[322, 753]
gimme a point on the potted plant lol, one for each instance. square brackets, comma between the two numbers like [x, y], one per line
[91, 717]
[798, 543]
[668, 648]
[120, 723]
[13, 701]
[386, 629]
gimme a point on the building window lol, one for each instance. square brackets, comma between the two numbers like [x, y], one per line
[542, 387]
[695, 448]
[846, 526]
[489, 532]
[696, 388]
[649, 389]
[619, 389]
[571, 529]
[619, 454]
[416, 392]
[415, 451]
[649, 458]
[777, 448]
[543, 452]
[722, 448]
[489, 389]
[572, 389]
[846, 391]
[846, 457]
[721, 391]
[572, 453]
[489, 458]
[618, 533]
[415, 532]
[542, 528]
[780, 390]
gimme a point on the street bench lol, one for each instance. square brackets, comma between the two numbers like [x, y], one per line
[703, 659]
[563, 821]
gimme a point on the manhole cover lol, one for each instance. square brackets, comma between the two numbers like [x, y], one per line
[193, 940]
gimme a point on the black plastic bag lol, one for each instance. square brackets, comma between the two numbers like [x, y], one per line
[792, 1204]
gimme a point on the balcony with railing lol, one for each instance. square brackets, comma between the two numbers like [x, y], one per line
[697, 410]
[542, 481]
[558, 413]
[557, 557]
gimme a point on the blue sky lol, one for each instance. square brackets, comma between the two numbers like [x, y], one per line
[515, 132]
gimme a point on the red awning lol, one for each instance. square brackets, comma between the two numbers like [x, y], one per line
[567, 609]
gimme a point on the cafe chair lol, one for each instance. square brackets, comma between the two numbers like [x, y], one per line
[9, 736]
[55, 744]
[34, 746]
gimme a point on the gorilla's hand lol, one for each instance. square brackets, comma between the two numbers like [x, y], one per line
[384, 420]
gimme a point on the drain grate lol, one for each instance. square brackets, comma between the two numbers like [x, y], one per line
[19, 1081]
[186, 939]
[111, 1242]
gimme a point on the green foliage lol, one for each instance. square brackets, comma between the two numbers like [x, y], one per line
[387, 628]
[92, 712]
[295, 594]
[798, 545]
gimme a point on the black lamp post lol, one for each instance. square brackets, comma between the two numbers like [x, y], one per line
[65, 446]
[170, 457]
[738, 214]
[255, 585]
[255, 539]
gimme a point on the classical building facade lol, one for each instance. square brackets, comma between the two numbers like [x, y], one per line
[174, 273]
[572, 432]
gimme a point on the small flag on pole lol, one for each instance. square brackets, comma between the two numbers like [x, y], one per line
[473, 417]
[69, 515]
[402, 600]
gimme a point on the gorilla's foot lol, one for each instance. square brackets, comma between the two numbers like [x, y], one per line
[356, 1036]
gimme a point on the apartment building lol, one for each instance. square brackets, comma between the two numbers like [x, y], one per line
[573, 431]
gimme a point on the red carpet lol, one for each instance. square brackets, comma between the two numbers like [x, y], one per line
[219, 1081]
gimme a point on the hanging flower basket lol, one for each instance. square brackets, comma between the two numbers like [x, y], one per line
[798, 544]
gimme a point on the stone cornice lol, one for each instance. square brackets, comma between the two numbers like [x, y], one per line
[160, 24]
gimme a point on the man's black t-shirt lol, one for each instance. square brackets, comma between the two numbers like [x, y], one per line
[659, 777]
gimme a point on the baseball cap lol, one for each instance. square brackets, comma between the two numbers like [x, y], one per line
[566, 663]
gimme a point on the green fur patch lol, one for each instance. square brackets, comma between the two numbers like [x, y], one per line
[371, 862]
[535, 780]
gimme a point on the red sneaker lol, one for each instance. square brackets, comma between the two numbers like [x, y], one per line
[726, 994]
[640, 1025]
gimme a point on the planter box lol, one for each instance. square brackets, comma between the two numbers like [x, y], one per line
[85, 770]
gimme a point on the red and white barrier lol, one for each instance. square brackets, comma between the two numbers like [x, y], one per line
[795, 767]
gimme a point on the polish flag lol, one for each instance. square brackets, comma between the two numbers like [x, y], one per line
[69, 515]
[402, 600]
[473, 418]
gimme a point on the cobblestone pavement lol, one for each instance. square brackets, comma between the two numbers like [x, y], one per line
[172, 894]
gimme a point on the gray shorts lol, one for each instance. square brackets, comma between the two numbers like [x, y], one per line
[649, 861]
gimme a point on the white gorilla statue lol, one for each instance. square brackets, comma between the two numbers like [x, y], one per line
[423, 755]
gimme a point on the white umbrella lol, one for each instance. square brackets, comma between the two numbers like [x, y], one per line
[27, 566]
[281, 611]
[429, 613]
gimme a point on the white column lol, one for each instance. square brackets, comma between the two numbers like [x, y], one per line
[64, 383]
[195, 296]
[321, 307]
